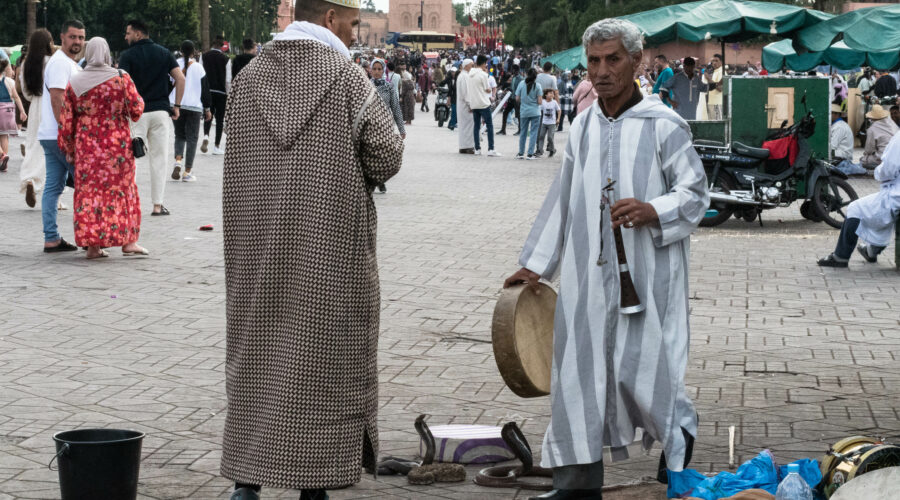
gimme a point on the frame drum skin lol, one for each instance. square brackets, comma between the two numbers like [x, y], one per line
[522, 333]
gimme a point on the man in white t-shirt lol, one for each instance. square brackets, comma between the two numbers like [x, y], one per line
[56, 78]
[547, 81]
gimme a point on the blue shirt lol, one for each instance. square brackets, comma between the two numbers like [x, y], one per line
[528, 101]
[663, 77]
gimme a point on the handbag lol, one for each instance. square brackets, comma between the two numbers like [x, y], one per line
[137, 144]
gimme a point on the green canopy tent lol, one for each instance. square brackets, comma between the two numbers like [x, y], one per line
[14, 53]
[873, 29]
[725, 20]
[779, 55]
[569, 59]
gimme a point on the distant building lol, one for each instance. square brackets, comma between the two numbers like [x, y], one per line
[373, 28]
[285, 14]
[403, 15]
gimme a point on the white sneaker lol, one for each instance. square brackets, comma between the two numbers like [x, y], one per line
[477, 152]
[188, 178]
[205, 146]
[217, 151]
[493, 153]
[61, 206]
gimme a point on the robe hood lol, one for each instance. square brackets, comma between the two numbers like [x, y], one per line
[649, 107]
[305, 77]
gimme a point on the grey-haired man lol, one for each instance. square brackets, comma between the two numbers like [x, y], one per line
[615, 371]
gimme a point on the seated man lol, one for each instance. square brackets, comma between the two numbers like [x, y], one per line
[871, 217]
[878, 135]
[842, 143]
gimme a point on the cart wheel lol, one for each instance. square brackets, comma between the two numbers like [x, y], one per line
[830, 199]
[719, 212]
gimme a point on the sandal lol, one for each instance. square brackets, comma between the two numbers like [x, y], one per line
[142, 251]
[101, 255]
[162, 211]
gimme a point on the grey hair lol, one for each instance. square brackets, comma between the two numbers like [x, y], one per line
[613, 29]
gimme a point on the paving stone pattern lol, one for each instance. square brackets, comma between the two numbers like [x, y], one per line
[794, 356]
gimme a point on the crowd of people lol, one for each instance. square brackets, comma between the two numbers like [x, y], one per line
[86, 118]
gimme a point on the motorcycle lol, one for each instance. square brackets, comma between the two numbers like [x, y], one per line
[442, 106]
[744, 181]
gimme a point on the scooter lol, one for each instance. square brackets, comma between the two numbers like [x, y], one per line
[744, 181]
[442, 106]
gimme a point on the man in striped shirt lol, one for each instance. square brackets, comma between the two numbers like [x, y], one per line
[618, 370]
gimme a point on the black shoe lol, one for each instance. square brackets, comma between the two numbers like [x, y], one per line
[596, 494]
[244, 494]
[661, 473]
[864, 251]
[551, 154]
[468, 151]
[517, 133]
[162, 211]
[539, 154]
[382, 188]
[830, 261]
[64, 246]
[502, 132]
[313, 495]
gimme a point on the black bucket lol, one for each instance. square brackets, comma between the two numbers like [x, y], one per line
[98, 463]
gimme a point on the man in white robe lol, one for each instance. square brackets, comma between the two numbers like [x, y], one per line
[465, 121]
[871, 217]
[612, 372]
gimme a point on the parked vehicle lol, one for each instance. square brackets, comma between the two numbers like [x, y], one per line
[746, 180]
[442, 106]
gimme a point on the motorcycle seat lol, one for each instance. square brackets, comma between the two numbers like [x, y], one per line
[744, 150]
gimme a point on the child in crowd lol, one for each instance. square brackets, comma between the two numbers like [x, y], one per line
[550, 115]
[9, 101]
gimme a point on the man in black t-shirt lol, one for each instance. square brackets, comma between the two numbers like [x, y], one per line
[215, 62]
[150, 66]
[249, 52]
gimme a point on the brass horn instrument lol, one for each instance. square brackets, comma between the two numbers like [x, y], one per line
[630, 303]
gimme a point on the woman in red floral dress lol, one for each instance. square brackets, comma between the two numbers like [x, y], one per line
[95, 135]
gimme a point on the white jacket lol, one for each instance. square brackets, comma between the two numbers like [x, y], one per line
[479, 96]
[877, 212]
[842, 140]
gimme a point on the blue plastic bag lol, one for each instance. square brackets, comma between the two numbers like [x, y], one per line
[758, 472]
[809, 471]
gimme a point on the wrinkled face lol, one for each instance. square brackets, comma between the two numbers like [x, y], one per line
[72, 41]
[611, 68]
[377, 71]
[342, 22]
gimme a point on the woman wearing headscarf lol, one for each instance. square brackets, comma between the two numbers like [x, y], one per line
[95, 135]
[390, 97]
[408, 97]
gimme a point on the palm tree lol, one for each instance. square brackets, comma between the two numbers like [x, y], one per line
[30, 17]
[203, 10]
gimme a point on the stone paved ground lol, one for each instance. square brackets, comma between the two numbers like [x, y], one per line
[794, 356]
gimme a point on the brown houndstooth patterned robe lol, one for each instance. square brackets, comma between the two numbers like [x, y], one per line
[307, 137]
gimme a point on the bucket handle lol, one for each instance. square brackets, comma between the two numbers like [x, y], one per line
[63, 450]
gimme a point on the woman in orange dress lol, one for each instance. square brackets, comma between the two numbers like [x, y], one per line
[95, 135]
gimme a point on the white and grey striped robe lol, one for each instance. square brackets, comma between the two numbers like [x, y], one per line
[613, 373]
